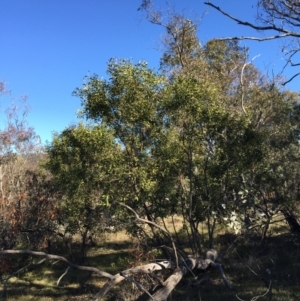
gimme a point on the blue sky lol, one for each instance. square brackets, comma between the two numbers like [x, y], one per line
[48, 46]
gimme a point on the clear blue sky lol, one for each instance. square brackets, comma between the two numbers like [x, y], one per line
[48, 46]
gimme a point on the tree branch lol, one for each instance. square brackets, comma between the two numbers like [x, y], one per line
[254, 38]
[219, 267]
[169, 285]
[143, 269]
[286, 82]
[62, 276]
[60, 258]
[155, 225]
[257, 27]
[242, 81]
[138, 285]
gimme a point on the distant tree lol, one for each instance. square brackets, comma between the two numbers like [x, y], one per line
[19, 144]
[39, 228]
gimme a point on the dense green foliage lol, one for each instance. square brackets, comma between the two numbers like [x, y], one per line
[209, 138]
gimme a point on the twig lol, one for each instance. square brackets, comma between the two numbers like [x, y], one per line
[297, 74]
[259, 296]
[65, 273]
[283, 33]
[242, 82]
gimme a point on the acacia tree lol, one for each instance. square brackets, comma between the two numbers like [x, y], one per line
[279, 16]
[84, 162]
[131, 104]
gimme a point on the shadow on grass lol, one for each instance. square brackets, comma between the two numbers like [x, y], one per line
[40, 281]
[253, 267]
[35, 291]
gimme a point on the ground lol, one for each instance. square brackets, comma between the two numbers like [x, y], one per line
[272, 269]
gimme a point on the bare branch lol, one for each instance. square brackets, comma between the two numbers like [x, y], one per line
[242, 81]
[108, 285]
[155, 225]
[219, 267]
[163, 293]
[62, 276]
[291, 79]
[284, 12]
[260, 28]
[259, 296]
[60, 258]
[254, 38]
[182, 268]
[295, 64]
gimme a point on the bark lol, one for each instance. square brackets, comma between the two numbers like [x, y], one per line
[186, 266]
[291, 220]
[144, 269]
[169, 285]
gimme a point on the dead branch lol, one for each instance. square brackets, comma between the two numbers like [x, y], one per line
[62, 276]
[143, 269]
[169, 285]
[183, 267]
[289, 80]
[259, 296]
[138, 285]
[60, 258]
[219, 267]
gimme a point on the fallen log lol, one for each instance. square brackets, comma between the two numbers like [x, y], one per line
[176, 271]
[188, 265]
